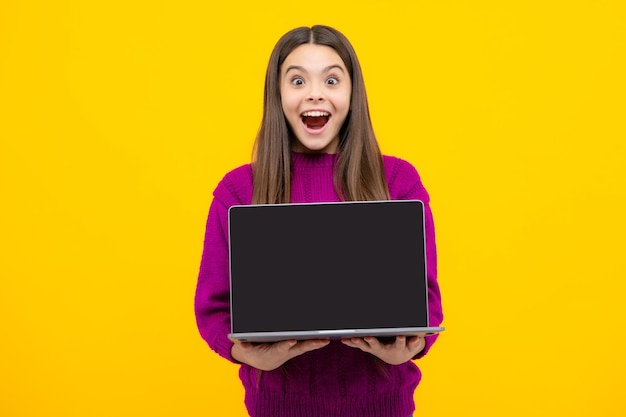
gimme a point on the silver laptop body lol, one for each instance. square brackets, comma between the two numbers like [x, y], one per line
[328, 270]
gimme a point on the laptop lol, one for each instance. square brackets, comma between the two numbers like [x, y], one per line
[328, 271]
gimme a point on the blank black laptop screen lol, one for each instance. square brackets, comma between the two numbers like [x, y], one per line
[302, 267]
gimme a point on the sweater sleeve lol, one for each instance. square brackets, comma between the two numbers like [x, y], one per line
[212, 299]
[212, 302]
[405, 184]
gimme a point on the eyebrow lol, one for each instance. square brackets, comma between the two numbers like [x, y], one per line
[299, 68]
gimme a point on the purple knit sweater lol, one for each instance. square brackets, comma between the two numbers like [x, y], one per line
[336, 380]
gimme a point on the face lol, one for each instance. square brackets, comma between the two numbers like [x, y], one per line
[315, 90]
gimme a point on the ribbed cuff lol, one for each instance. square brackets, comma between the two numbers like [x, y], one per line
[221, 344]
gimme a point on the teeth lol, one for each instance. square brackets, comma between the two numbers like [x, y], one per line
[315, 113]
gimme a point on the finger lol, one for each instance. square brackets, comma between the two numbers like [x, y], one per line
[307, 346]
[373, 342]
[413, 342]
[286, 345]
[400, 342]
[349, 342]
[416, 345]
[359, 343]
[421, 343]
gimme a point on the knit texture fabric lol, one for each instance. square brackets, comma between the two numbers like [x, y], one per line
[337, 380]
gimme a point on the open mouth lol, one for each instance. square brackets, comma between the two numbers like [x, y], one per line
[315, 119]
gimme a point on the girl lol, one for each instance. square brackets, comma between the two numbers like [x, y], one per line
[316, 143]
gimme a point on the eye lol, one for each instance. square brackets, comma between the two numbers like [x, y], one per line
[332, 81]
[297, 81]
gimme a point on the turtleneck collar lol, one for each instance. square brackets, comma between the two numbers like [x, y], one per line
[314, 159]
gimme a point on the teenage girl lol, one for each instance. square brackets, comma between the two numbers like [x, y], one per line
[316, 143]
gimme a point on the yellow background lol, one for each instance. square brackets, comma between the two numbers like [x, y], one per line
[118, 118]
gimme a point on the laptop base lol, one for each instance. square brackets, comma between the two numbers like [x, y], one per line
[267, 337]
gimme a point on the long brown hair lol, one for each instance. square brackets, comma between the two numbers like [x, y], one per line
[359, 172]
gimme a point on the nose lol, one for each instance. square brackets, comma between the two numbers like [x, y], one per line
[315, 95]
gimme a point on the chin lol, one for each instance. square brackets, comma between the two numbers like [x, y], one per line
[315, 146]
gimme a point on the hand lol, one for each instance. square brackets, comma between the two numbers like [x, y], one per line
[269, 356]
[396, 353]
